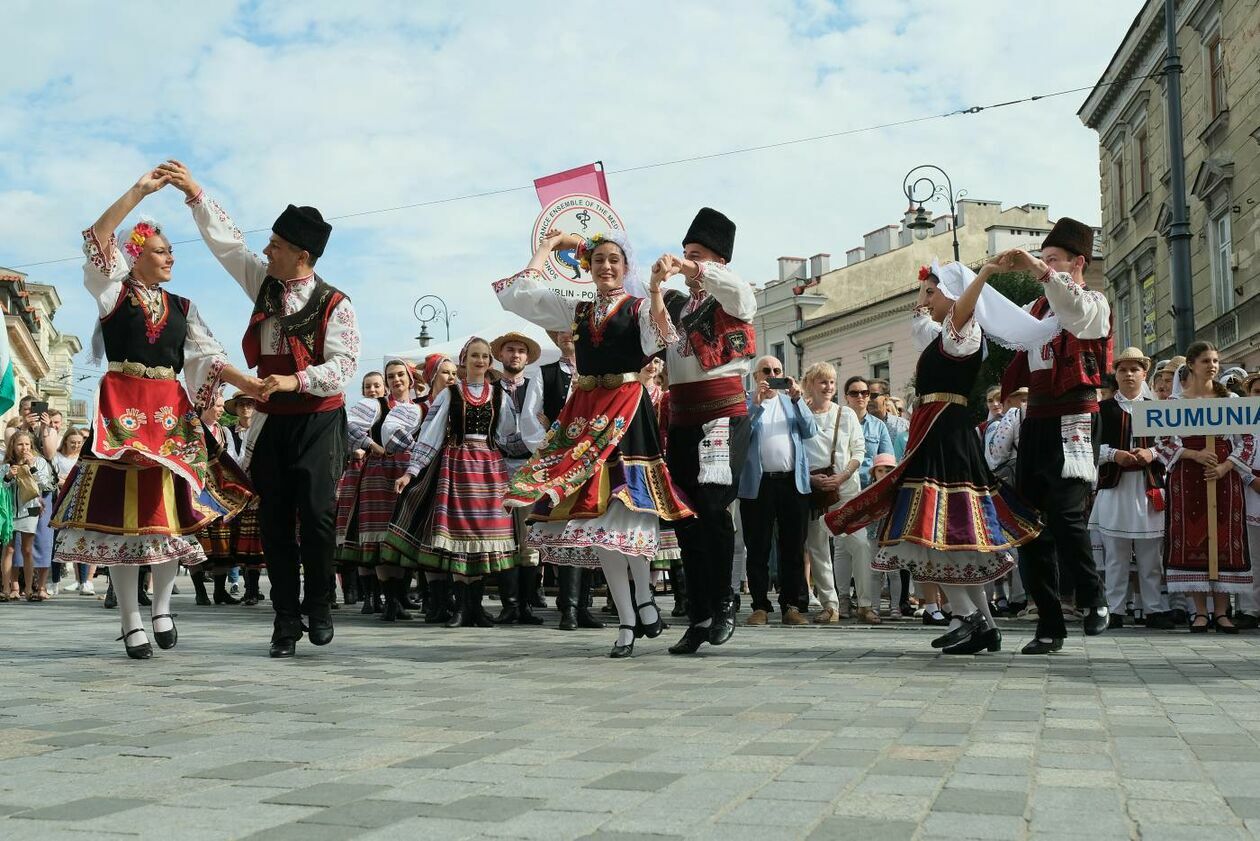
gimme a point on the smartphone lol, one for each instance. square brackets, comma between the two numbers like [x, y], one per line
[38, 407]
[778, 383]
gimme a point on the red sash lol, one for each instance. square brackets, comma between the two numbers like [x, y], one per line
[692, 404]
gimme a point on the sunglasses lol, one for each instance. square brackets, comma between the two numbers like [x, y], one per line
[862, 393]
[771, 372]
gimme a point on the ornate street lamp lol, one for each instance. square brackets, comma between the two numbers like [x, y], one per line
[919, 187]
[425, 311]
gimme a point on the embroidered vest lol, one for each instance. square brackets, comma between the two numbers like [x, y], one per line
[555, 386]
[1115, 429]
[129, 337]
[466, 419]
[715, 336]
[1069, 385]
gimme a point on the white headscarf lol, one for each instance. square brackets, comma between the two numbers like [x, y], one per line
[1002, 320]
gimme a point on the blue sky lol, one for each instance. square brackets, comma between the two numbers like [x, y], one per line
[357, 106]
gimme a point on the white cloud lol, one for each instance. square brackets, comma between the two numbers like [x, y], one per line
[358, 106]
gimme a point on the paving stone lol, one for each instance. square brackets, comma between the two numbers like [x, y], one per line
[84, 809]
[484, 808]
[325, 794]
[635, 781]
[847, 829]
[248, 770]
[367, 813]
[974, 801]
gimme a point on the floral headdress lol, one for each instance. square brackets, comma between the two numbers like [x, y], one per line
[925, 272]
[134, 246]
[586, 248]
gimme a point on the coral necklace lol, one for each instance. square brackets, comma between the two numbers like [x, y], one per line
[479, 400]
[152, 303]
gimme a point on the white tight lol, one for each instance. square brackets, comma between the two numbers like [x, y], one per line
[966, 600]
[163, 584]
[618, 570]
[126, 580]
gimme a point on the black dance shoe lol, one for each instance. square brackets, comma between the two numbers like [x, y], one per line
[1039, 647]
[932, 621]
[650, 630]
[1231, 628]
[990, 639]
[969, 626]
[568, 619]
[691, 640]
[283, 647]
[136, 652]
[320, 627]
[723, 626]
[165, 639]
[619, 650]
[680, 607]
[1115, 621]
[1095, 621]
[284, 637]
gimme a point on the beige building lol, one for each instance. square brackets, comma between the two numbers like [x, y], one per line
[1219, 42]
[861, 323]
[42, 355]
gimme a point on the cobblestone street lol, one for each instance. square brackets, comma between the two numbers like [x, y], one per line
[411, 731]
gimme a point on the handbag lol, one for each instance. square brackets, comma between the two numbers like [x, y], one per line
[27, 487]
[820, 501]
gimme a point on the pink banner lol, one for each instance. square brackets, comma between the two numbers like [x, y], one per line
[587, 179]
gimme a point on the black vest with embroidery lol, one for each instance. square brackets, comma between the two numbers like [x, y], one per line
[129, 337]
[467, 419]
[613, 347]
[555, 386]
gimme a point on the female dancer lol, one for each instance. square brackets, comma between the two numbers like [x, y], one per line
[384, 428]
[948, 520]
[599, 484]
[452, 520]
[1191, 465]
[139, 491]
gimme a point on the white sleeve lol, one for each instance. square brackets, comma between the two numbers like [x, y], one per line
[960, 343]
[1083, 312]
[526, 295]
[1000, 445]
[227, 244]
[857, 440]
[733, 293]
[104, 271]
[204, 359]
[341, 355]
[359, 421]
[923, 330]
[432, 434]
[651, 338]
[532, 431]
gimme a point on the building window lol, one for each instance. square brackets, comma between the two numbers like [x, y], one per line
[1117, 186]
[879, 370]
[1216, 76]
[1124, 319]
[776, 351]
[1143, 164]
[1222, 263]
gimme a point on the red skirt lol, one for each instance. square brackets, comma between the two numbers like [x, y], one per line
[1186, 543]
[365, 503]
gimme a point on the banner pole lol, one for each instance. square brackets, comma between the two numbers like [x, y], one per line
[1214, 538]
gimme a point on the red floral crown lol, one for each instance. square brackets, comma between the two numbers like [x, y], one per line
[139, 235]
[925, 272]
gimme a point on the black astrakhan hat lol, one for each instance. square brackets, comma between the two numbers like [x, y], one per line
[714, 231]
[1073, 236]
[303, 227]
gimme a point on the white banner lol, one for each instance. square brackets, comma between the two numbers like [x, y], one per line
[573, 214]
[1204, 416]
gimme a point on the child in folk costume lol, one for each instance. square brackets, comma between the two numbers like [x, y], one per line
[452, 519]
[1129, 506]
[599, 485]
[216, 538]
[385, 429]
[948, 520]
[140, 488]
[247, 551]
[1190, 465]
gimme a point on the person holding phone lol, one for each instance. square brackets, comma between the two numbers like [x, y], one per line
[774, 490]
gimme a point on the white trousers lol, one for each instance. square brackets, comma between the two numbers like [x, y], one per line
[1149, 555]
[848, 557]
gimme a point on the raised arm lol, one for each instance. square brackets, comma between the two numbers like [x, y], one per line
[1083, 312]
[526, 295]
[221, 236]
[105, 268]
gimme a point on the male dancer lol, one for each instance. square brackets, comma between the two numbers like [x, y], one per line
[517, 585]
[304, 338]
[708, 431]
[574, 599]
[1057, 466]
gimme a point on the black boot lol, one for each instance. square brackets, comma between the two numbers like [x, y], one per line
[509, 587]
[221, 595]
[529, 578]
[331, 599]
[459, 604]
[349, 586]
[252, 579]
[198, 577]
[285, 634]
[586, 600]
[678, 584]
[320, 625]
[407, 601]
[394, 609]
[111, 598]
[399, 587]
[568, 597]
[437, 607]
[474, 614]
[367, 590]
[142, 592]
[724, 619]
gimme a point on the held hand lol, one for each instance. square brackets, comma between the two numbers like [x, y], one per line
[152, 181]
[281, 383]
[358, 455]
[179, 175]
[1207, 458]
[1125, 459]
[402, 483]
[794, 389]
[376, 449]
[1017, 259]
[1144, 456]
[1219, 472]
[254, 387]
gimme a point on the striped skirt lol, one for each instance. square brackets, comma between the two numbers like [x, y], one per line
[365, 503]
[452, 518]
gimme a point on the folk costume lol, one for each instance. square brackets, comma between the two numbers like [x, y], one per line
[141, 489]
[1250, 602]
[599, 484]
[708, 428]
[366, 495]
[216, 538]
[247, 551]
[1129, 507]
[945, 518]
[1186, 522]
[574, 584]
[295, 455]
[1057, 465]
[518, 421]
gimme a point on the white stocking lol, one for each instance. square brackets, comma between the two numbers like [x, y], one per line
[163, 584]
[617, 574]
[641, 571]
[126, 580]
[959, 602]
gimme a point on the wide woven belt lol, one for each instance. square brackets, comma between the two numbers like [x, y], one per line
[137, 369]
[941, 397]
[590, 382]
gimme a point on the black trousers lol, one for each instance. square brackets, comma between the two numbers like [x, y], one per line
[707, 541]
[295, 466]
[778, 503]
[1063, 545]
